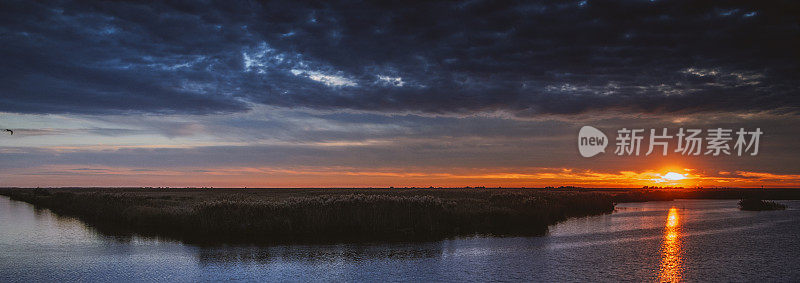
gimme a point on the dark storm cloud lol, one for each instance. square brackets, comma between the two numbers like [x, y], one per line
[430, 57]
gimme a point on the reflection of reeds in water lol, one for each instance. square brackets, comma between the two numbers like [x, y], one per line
[671, 261]
[315, 253]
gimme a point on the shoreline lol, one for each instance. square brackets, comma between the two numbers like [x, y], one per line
[213, 217]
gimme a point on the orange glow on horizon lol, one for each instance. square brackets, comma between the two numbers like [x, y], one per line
[335, 176]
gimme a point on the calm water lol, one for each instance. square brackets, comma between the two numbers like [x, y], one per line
[693, 240]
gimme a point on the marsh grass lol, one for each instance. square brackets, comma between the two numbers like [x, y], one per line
[274, 216]
[231, 216]
[755, 204]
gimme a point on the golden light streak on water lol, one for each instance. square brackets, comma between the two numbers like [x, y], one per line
[671, 262]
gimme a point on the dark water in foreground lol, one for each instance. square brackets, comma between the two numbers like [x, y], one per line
[693, 240]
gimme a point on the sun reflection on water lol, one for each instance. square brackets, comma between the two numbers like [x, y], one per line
[671, 261]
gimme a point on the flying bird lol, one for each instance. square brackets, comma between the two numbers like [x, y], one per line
[10, 131]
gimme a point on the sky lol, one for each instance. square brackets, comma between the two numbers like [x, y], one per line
[378, 94]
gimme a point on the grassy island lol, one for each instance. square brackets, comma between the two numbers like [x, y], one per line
[755, 204]
[270, 216]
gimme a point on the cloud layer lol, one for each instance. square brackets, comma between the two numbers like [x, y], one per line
[428, 57]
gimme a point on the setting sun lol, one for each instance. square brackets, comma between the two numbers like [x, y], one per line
[672, 176]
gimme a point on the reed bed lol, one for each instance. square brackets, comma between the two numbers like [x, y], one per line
[754, 204]
[272, 216]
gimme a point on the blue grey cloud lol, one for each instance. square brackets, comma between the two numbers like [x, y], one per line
[178, 57]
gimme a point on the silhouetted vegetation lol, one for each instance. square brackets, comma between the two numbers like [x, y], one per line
[267, 216]
[759, 204]
[272, 216]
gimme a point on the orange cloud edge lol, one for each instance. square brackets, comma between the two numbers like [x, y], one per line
[81, 175]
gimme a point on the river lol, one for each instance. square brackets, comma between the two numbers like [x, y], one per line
[682, 240]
